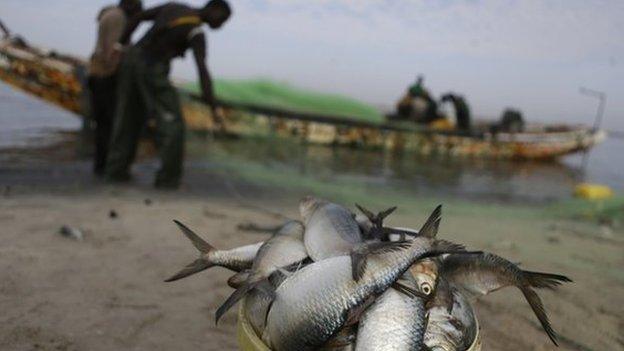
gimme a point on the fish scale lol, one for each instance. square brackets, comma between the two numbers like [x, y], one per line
[395, 322]
[312, 304]
[236, 259]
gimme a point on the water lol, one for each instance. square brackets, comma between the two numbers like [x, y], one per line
[26, 122]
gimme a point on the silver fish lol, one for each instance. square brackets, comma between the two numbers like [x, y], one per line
[331, 229]
[395, 322]
[478, 275]
[257, 303]
[452, 324]
[238, 279]
[313, 303]
[236, 259]
[283, 249]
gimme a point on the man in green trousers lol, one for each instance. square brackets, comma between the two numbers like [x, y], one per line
[144, 89]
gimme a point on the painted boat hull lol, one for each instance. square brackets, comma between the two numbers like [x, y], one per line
[59, 80]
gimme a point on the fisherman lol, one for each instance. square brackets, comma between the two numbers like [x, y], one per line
[103, 74]
[408, 107]
[145, 90]
[462, 111]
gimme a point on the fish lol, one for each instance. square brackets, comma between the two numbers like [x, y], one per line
[258, 301]
[452, 324]
[236, 259]
[314, 302]
[478, 275]
[396, 321]
[330, 229]
[283, 249]
[237, 280]
[425, 274]
[373, 228]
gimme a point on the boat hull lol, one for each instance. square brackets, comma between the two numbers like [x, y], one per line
[59, 80]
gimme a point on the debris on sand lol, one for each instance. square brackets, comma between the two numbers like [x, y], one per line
[71, 232]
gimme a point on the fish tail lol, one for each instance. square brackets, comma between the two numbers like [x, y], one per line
[538, 308]
[545, 280]
[198, 265]
[251, 283]
[199, 243]
[431, 226]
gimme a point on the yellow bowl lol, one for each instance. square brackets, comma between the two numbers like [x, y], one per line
[247, 338]
[249, 341]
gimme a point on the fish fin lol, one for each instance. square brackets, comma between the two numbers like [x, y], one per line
[344, 337]
[266, 287]
[354, 314]
[385, 213]
[194, 267]
[376, 219]
[538, 308]
[298, 265]
[236, 296]
[198, 242]
[408, 290]
[238, 279]
[431, 226]
[370, 215]
[360, 254]
[284, 271]
[545, 280]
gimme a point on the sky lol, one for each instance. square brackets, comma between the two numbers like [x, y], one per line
[532, 55]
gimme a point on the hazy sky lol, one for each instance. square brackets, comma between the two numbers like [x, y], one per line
[529, 54]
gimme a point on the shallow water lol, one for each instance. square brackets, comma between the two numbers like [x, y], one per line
[27, 123]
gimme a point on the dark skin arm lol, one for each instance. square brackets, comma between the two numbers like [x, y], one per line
[133, 23]
[198, 45]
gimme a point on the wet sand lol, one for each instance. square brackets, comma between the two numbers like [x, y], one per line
[107, 292]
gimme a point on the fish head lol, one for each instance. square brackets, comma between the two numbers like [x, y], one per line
[308, 205]
[292, 228]
[425, 273]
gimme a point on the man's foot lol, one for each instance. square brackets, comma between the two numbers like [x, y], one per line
[167, 184]
[118, 178]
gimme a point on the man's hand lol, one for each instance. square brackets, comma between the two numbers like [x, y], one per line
[218, 118]
[116, 52]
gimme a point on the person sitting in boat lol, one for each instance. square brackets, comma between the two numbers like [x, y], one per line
[145, 89]
[462, 111]
[102, 74]
[511, 121]
[417, 105]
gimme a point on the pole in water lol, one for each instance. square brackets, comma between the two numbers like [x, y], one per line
[602, 100]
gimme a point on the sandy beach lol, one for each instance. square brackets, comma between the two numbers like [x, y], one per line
[106, 292]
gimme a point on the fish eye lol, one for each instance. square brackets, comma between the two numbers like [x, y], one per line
[426, 288]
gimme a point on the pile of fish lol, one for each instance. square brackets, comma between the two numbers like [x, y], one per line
[337, 280]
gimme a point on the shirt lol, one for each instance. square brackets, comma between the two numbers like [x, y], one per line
[111, 24]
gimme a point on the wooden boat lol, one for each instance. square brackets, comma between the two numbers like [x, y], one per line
[59, 79]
